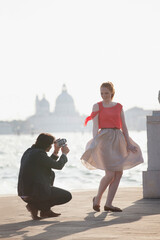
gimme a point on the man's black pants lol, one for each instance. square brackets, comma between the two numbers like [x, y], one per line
[58, 196]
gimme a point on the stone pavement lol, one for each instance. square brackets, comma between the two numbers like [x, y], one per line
[139, 220]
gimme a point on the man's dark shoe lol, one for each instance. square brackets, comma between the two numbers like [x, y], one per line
[48, 214]
[33, 211]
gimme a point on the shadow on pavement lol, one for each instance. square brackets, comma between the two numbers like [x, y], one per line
[57, 230]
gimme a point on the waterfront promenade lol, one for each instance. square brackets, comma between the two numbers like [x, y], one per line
[139, 220]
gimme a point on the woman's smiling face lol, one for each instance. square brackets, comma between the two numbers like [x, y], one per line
[106, 94]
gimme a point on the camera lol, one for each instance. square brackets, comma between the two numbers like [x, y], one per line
[61, 142]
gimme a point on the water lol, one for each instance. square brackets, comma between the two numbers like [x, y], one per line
[74, 175]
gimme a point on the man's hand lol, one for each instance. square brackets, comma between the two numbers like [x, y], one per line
[65, 149]
[56, 149]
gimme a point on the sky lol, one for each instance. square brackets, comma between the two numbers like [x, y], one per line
[81, 43]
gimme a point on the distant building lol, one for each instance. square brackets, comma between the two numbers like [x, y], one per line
[136, 118]
[5, 127]
[42, 106]
[63, 118]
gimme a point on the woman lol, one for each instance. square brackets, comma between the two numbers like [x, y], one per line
[111, 148]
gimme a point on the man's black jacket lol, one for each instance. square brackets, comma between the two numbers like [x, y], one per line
[35, 173]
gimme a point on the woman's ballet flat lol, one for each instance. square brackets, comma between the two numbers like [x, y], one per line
[112, 209]
[96, 207]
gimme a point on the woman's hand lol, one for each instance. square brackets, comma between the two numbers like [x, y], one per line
[131, 148]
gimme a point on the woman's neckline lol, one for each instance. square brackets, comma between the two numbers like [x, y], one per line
[109, 107]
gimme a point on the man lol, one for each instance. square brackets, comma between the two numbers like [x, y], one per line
[36, 177]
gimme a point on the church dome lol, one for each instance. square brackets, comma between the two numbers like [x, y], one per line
[64, 97]
[64, 103]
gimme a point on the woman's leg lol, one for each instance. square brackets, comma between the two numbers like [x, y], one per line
[113, 188]
[105, 181]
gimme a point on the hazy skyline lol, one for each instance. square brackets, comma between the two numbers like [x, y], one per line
[45, 44]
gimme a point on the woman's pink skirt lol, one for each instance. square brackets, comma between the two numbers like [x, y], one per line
[108, 151]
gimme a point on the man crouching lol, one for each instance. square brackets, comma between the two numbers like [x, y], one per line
[35, 181]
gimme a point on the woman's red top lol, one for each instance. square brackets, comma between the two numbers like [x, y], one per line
[109, 117]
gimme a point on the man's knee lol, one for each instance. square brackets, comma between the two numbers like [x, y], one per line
[60, 196]
[68, 196]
